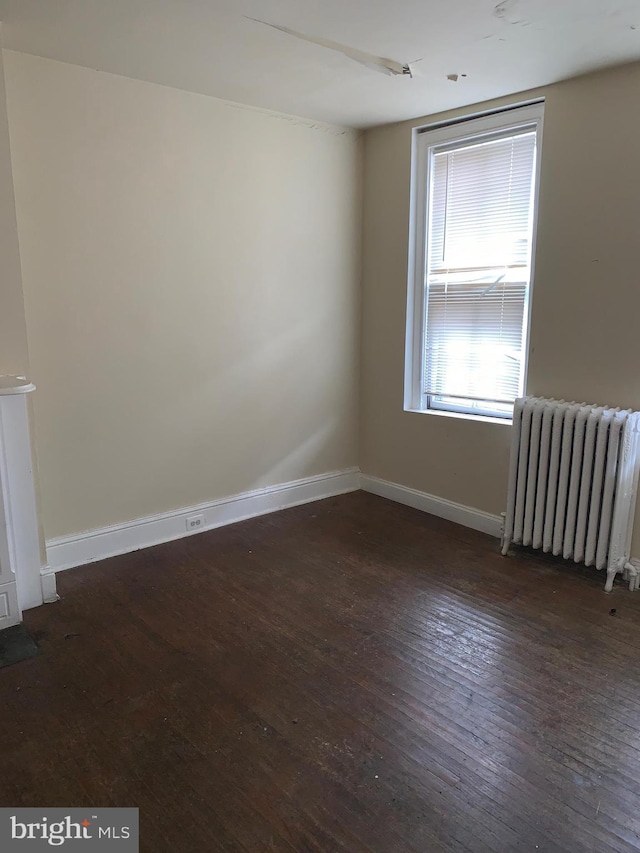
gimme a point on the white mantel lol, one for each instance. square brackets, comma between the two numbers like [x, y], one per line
[23, 583]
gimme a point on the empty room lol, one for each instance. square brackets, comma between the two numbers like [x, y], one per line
[319, 426]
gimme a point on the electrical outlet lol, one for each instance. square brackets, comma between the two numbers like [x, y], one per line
[195, 522]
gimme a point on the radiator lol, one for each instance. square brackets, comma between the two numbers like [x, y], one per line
[573, 478]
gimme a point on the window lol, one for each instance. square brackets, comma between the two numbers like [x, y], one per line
[473, 230]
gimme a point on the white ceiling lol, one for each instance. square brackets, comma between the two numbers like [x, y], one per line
[209, 46]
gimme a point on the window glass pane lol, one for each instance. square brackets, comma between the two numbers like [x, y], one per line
[480, 204]
[478, 271]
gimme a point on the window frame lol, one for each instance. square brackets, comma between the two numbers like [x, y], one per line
[424, 139]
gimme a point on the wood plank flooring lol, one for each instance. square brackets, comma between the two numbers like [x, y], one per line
[350, 675]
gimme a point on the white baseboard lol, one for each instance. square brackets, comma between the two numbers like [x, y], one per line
[65, 552]
[461, 514]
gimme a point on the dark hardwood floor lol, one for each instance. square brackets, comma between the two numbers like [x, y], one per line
[350, 675]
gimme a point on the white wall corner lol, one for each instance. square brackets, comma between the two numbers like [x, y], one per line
[66, 552]
[458, 513]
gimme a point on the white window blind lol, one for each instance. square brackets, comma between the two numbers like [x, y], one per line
[479, 235]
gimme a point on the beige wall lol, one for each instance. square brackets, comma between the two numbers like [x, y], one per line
[586, 297]
[191, 281]
[190, 275]
[13, 331]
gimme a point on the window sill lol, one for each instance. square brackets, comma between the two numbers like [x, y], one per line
[465, 416]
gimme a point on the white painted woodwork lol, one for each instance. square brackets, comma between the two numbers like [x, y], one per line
[65, 552]
[467, 516]
[21, 580]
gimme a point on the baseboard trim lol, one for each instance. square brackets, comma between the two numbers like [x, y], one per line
[66, 552]
[459, 513]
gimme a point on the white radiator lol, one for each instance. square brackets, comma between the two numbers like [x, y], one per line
[573, 478]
